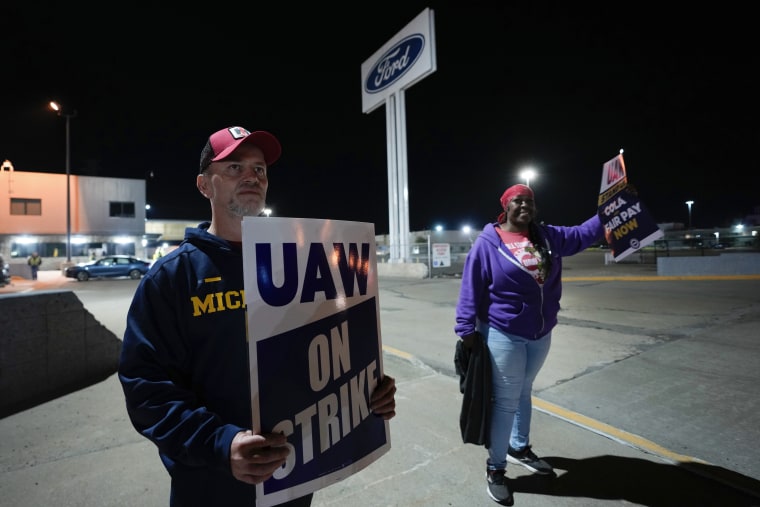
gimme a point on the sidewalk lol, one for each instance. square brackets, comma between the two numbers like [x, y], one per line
[52, 279]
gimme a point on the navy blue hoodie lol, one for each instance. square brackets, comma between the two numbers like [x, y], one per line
[184, 367]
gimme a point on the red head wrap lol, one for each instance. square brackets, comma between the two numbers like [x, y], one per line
[510, 194]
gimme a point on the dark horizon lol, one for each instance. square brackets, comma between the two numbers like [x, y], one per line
[561, 89]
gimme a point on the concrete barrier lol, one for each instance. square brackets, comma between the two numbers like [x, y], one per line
[723, 264]
[50, 345]
[402, 269]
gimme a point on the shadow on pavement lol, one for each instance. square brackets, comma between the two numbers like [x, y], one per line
[32, 401]
[641, 482]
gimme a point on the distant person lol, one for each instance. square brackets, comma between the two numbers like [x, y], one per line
[34, 261]
[5, 276]
[186, 377]
[510, 297]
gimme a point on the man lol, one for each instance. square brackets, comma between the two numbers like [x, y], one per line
[34, 263]
[185, 374]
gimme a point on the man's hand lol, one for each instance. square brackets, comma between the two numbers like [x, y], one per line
[254, 458]
[383, 399]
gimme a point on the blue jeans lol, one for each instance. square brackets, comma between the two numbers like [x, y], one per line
[515, 362]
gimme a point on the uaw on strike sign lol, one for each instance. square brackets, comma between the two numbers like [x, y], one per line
[628, 226]
[315, 348]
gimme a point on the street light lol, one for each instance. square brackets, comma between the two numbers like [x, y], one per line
[55, 106]
[468, 230]
[689, 203]
[527, 174]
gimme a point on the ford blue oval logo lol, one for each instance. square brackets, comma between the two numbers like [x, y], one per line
[394, 63]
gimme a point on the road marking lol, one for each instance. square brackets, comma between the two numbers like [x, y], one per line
[397, 352]
[611, 432]
[657, 278]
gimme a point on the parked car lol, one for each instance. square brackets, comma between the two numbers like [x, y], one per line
[111, 266]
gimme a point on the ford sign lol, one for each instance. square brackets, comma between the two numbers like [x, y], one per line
[394, 63]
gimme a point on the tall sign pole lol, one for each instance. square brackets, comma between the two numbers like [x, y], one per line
[407, 58]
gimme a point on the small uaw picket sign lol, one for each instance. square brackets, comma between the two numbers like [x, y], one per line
[315, 348]
[628, 226]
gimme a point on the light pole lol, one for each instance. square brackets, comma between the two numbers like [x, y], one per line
[55, 106]
[430, 257]
[527, 174]
[689, 203]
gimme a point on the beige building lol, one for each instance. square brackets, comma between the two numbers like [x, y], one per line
[107, 216]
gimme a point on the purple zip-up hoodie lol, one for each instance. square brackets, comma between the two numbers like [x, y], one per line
[498, 291]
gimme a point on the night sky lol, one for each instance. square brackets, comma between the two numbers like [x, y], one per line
[562, 89]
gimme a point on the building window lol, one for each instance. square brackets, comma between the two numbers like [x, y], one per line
[122, 209]
[26, 206]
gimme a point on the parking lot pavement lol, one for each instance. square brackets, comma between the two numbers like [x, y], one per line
[624, 411]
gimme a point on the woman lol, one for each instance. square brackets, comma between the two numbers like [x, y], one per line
[510, 294]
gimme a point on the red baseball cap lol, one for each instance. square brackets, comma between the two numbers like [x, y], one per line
[225, 141]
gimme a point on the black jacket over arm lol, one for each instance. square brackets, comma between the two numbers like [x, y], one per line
[474, 369]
